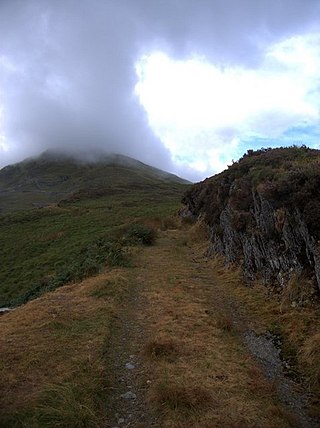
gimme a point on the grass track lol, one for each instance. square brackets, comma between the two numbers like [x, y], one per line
[54, 348]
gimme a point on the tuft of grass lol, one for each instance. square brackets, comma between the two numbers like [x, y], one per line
[183, 241]
[229, 274]
[181, 396]
[110, 288]
[199, 231]
[224, 321]
[170, 223]
[299, 291]
[292, 420]
[309, 357]
[161, 348]
[259, 384]
[188, 220]
[63, 405]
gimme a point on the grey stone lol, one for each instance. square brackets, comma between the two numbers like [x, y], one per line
[130, 366]
[266, 249]
[129, 396]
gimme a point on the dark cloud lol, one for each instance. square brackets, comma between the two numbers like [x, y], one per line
[67, 67]
[228, 30]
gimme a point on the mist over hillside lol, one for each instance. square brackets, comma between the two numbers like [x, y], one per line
[43, 180]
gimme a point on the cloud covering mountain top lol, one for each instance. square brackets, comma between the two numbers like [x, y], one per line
[69, 77]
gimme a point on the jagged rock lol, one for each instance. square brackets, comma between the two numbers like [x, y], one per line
[257, 213]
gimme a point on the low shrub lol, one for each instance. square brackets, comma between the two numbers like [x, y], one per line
[139, 234]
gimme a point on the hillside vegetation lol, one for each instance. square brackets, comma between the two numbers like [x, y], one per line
[288, 177]
[263, 212]
[38, 182]
[124, 318]
[43, 247]
[180, 320]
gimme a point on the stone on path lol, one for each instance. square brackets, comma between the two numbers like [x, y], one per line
[129, 396]
[130, 366]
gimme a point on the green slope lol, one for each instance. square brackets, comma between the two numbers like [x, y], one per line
[98, 199]
[51, 177]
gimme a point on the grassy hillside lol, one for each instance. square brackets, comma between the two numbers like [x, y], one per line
[51, 177]
[38, 244]
[179, 317]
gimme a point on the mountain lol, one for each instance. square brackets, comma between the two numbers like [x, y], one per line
[111, 275]
[83, 204]
[37, 182]
[264, 213]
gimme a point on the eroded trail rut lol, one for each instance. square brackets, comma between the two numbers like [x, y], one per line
[185, 354]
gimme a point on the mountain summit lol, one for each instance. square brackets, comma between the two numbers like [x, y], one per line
[37, 182]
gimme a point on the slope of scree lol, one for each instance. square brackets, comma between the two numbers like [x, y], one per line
[263, 212]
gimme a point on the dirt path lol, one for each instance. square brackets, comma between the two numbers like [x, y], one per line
[127, 405]
[179, 355]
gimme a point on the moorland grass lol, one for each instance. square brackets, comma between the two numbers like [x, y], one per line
[53, 374]
[37, 245]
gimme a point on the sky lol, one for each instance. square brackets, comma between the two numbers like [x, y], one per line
[184, 85]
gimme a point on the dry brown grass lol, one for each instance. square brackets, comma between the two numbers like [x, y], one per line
[198, 232]
[309, 357]
[224, 321]
[229, 274]
[180, 397]
[298, 325]
[55, 340]
[211, 381]
[171, 222]
[200, 373]
[161, 347]
[298, 292]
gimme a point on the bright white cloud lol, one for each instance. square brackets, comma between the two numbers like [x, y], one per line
[204, 110]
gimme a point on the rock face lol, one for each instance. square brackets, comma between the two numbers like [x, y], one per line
[264, 212]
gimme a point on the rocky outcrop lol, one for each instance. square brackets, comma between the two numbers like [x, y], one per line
[263, 213]
[269, 250]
